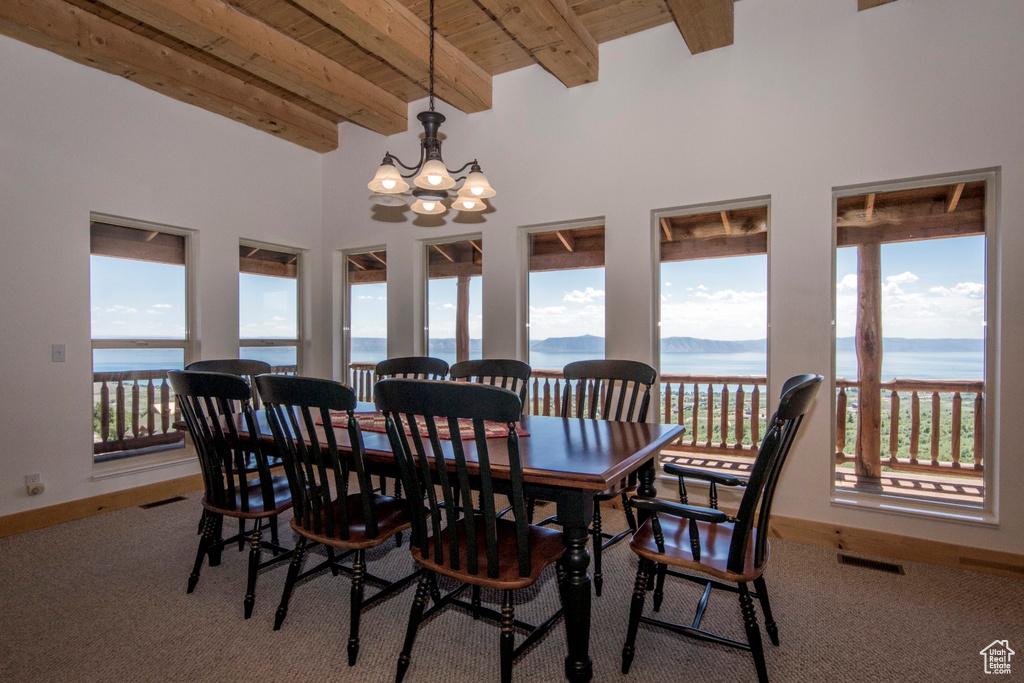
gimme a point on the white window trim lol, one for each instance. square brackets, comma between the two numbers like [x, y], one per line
[988, 515]
[345, 296]
[425, 299]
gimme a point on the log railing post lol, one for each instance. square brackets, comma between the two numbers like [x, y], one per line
[738, 418]
[894, 427]
[104, 411]
[755, 417]
[165, 405]
[711, 415]
[868, 339]
[696, 413]
[723, 418]
[668, 403]
[936, 411]
[119, 425]
[979, 429]
[954, 444]
[841, 425]
[915, 427]
[150, 408]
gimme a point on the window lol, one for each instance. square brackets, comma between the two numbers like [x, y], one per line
[365, 325]
[268, 306]
[713, 330]
[139, 299]
[454, 300]
[911, 306]
[565, 296]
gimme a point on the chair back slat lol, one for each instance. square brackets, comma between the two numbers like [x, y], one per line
[506, 373]
[755, 507]
[245, 368]
[212, 404]
[412, 367]
[618, 390]
[304, 416]
[403, 399]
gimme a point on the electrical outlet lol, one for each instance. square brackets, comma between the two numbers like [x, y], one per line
[34, 484]
[34, 478]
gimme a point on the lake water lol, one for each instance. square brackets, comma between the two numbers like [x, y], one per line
[907, 365]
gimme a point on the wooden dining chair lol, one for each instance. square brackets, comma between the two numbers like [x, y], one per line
[478, 549]
[312, 420]
[236, 476]
[618, 390]
[714, 549]
[506, 373]
[246, 369]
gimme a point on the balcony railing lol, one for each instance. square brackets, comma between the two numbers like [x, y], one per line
[725, 415]
[135, 410]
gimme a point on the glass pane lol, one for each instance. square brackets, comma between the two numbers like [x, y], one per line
[566, 317]
[136, 299]
[124, 360]
[368, 322]
[277, 356]
[267, 307]
[450, 266]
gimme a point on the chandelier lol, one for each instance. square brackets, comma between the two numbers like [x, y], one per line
[431, 177]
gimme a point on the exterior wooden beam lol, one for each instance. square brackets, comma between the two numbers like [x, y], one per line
[250, 44]
[72, 32]
[389, 30]
[923, 227]
[715, 247]
[705, 24]
[869, 207]
[868, 340]
[954, 197]
[366, 277]
[553, 35]
[442, 252]
[725, 223]
[566, 239]
[666, 227]
[462, 318]
[566, 261]
[868, 4]
[378, 258]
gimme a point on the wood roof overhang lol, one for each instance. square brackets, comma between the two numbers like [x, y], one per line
[296, 68]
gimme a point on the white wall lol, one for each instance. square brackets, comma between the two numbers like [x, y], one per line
[75, 140]
[813, 95]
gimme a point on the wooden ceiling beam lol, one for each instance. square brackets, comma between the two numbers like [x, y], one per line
[553, 34]
[73, 33]
[929, 226]
[705, 24]
[377, 257]
[869, 207]
[715, 247]
[566, 239]
[666, 228]
[954, 197]
[442, 252]
[389, 30]
[248, 43]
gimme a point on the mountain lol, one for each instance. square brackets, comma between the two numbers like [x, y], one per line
[903, 345]
[588, 343]
[370, 345]
[694, 345]
[448, 345]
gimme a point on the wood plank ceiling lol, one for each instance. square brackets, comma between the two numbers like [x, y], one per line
[297, 68]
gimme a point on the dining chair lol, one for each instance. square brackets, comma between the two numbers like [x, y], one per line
[409, 367]
[715, 549]
[236, 476]
[309, 419]
[246, 369]
[479, 549]
[496, 372]
[618, 390]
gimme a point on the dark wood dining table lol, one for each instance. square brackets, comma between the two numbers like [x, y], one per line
[566, 461]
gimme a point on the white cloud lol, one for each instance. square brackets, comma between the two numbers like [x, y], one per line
[449, 306]
[848, 283]
[118, 308]
[585, 297]
[903, 278]
[722, 314]
[555, 310]
[163, 306]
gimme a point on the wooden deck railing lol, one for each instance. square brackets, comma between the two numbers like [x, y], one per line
[725, 415]
[135, 409]
[960, 448]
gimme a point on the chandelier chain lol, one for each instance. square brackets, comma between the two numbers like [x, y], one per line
[432, 55]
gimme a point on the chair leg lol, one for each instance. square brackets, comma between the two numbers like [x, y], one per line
[596, 531]
[289, 584]
[753, 633]
[414, 622]
[508, 613]
[435, 592]
[476, 602]
[659, 586]
[627, 507]
[241, 534]
[398, 496]
[356, 605]
[330, 556]
[217, 544]
[769, 622]
[204, 545]
[636, 608]
[531, 505]
[202, 523]
[273, 534]
[255, 545]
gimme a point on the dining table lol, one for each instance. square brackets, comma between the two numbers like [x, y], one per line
[566, 461]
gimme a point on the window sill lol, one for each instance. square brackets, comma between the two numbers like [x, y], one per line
[894, 505]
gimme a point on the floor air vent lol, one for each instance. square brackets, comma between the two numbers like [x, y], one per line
[165, 501]
[870, 564]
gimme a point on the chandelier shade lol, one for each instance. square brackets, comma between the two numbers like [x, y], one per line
[430, 176]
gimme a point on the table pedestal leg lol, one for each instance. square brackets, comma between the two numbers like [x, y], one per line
[576, 589]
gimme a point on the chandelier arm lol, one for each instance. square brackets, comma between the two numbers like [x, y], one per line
[460, 169]
[414, 169]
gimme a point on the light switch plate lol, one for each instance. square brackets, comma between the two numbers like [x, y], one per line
[58, 353]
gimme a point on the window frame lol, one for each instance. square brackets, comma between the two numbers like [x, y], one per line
[525, 232]
[345, 336]
[988, 514]
[301, 337]
[189, 345]
[425, 298]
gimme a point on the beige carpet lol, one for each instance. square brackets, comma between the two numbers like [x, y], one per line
[103, 599]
